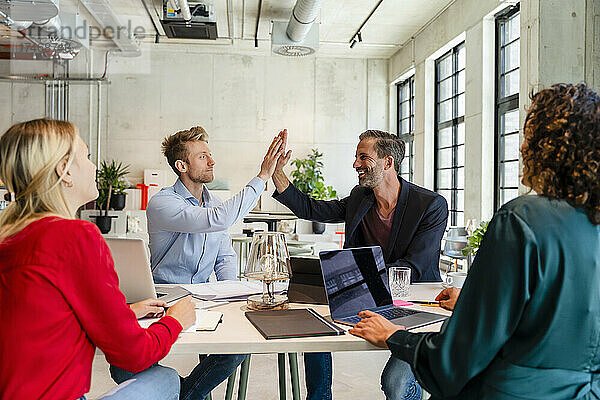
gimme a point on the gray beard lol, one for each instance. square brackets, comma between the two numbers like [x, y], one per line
[371, 179]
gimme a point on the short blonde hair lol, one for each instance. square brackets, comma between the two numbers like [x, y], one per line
[29, 154]
[174, 148]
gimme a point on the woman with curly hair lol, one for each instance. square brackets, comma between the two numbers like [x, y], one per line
[527, 323]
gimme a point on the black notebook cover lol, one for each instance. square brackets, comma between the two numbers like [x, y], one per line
[283, 324]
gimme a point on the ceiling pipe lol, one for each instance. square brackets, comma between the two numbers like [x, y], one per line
[185, 10]
[257, 23]
[305, 12]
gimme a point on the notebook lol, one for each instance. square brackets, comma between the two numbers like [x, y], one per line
[205, 321]
[283, 324]
[356, 280]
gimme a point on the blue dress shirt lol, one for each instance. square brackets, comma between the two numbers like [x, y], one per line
[188, 239]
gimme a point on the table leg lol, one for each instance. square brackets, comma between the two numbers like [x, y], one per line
[281, 365]
[230, 385]
[294, 374]
[272, 226]
[243, 387]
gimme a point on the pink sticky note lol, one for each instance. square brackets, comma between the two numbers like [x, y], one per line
[402, 303]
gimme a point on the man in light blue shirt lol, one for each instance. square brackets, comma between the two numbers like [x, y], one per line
[188, 226]
[189, 238]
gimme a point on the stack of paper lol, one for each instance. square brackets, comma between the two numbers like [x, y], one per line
[229, 290]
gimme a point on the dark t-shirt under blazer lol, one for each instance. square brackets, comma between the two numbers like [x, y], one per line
[418, 226]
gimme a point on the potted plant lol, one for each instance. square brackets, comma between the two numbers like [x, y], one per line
[111, 191]
[308, 178]
[474, 241]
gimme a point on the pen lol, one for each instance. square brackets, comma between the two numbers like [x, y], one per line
[425, 303]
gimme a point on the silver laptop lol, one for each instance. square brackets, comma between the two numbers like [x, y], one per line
[356, 280]
[135, 278]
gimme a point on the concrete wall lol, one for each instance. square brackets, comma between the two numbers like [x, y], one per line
[241, 100]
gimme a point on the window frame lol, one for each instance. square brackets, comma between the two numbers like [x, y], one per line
[503, 105]
[407, 137]
[456, 120]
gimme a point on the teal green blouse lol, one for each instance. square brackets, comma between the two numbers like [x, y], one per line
[527, 323]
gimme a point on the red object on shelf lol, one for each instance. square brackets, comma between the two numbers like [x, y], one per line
[144, 188]
[341, 233]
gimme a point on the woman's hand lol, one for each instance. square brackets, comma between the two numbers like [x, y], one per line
[448, 298]
[183, 311]
[374, 328]
[148, 307]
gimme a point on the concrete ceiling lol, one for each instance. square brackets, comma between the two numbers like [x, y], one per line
[394, 22]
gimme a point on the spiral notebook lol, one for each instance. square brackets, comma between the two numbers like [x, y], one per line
[283, 324]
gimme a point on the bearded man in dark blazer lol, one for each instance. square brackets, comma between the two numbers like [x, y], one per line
[405, 220]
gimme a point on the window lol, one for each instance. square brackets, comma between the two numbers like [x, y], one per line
[506, 177]
[406, 125]
[449, 178]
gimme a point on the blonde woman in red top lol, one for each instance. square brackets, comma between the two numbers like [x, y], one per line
[59, 293]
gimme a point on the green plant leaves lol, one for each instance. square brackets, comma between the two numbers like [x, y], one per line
[109, 179]
[308, 177]
[474, 241]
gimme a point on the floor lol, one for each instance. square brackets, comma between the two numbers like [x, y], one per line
[356, 376]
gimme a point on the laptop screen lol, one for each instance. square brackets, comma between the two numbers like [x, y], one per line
[355, 280]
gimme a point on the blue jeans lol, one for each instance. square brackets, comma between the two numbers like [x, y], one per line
[318, 371]
[208, 374]
[398, 381]
[157, 382]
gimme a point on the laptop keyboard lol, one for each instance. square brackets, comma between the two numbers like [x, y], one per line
[396, 312]
[390, 313]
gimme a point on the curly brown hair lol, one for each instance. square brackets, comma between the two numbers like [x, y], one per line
[561, 148]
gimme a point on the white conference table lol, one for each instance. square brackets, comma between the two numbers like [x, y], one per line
[237, 335]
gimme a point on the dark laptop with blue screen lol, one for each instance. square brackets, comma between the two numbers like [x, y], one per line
[356, 280]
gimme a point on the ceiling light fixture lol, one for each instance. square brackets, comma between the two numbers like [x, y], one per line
[357, 35]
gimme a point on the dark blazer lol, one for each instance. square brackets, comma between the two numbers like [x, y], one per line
[419, 223]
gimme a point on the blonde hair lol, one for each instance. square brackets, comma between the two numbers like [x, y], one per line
[174, 148]
[29, 154]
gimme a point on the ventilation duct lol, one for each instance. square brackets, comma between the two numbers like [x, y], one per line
[300, 37]
[108, 20]
[189, 20]
[305, 12]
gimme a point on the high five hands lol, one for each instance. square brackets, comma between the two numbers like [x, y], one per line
[285, 156]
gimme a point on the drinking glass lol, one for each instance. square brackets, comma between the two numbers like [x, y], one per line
[399, 282]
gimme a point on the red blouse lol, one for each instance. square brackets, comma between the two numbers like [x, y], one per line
[59, 299]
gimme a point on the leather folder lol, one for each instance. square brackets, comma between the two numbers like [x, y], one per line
[283, 324]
